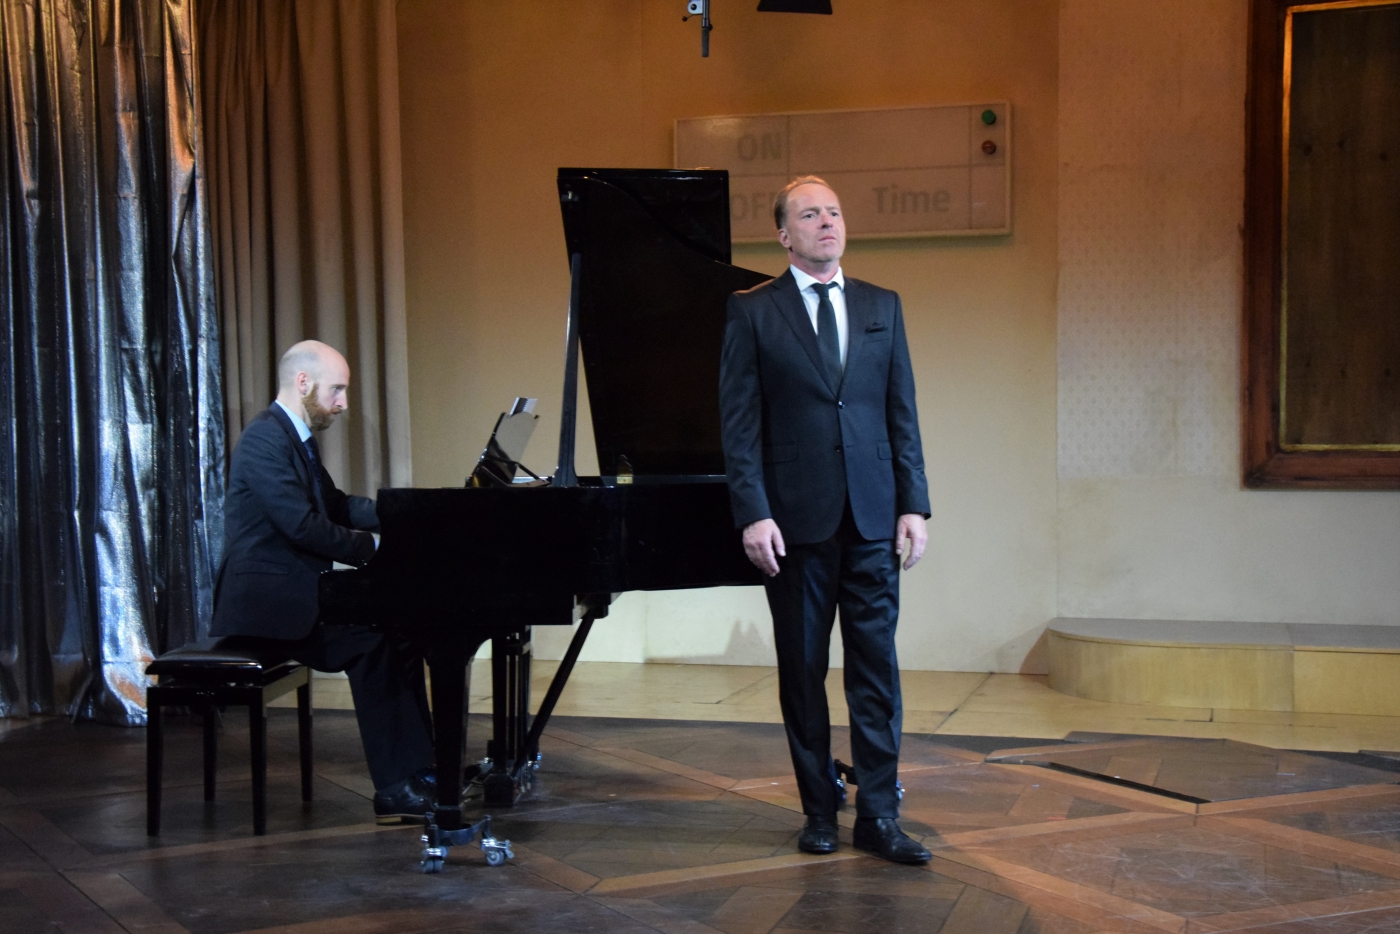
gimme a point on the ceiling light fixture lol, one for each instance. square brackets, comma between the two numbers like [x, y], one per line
[701, 8]
[795, 6]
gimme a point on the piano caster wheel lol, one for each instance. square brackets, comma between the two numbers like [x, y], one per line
[433, 857]
[496, 851]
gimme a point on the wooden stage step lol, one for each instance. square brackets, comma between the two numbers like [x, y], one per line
[1307, 668]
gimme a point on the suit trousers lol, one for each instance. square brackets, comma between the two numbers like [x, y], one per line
[391, 699]
[861, 578]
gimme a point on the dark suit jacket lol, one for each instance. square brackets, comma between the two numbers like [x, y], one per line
[279, 535]
[796, 447]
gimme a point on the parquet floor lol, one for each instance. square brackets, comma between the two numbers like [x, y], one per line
[689, 827]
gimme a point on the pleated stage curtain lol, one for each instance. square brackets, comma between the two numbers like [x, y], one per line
[301, 117]
[111, 421]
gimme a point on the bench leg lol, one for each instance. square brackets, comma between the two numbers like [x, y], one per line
[154, 752]
[304, 736]
[257, 734]
[211, 750]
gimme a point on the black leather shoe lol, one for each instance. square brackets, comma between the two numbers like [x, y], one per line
[882, 836]
[427, 781]
[402, 803]
[818, 836]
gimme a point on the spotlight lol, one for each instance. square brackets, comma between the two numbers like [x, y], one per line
[795, 6]
[701, 8]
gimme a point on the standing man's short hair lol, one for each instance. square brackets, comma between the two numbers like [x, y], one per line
[780, 202]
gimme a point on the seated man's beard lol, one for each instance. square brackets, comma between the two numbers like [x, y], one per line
[318, 417]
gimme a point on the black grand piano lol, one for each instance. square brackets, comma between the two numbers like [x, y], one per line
[650, 268]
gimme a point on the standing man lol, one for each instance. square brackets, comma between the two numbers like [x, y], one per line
[826, 479]
[284, 523]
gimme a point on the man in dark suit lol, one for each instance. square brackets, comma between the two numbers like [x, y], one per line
[826, 478]
[284, 523]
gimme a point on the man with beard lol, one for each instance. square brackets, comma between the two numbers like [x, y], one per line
[284, 523]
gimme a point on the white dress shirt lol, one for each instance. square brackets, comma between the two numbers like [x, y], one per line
[811, 299]
[303, 432]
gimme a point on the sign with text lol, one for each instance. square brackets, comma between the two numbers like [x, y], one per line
[908, 172]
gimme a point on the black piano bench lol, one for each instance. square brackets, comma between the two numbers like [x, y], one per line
[231, 671]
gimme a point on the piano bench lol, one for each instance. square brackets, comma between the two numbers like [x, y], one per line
[231, 671]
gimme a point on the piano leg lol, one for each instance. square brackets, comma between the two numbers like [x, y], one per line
[444, 828]
[448, 662]
[510, 686]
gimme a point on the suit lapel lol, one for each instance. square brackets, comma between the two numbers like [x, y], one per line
[858, 316]
[281, 418]
[789, 301]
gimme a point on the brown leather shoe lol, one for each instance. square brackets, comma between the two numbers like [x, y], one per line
[882, 836]
[818, 836]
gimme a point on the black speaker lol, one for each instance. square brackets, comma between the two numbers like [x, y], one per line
[795, 6]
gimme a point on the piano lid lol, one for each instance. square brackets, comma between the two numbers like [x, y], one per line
[654, 280]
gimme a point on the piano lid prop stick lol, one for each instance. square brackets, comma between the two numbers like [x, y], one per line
[564, 474]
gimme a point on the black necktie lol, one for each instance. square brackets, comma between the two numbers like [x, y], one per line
[827, 337]
[313, 451]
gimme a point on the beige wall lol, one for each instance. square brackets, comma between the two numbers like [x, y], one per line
[1078, 379]
[496, 96]
[1153, 522]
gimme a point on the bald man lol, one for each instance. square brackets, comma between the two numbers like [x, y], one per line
[284, 523]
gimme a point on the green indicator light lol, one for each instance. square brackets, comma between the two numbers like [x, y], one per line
[989, 117]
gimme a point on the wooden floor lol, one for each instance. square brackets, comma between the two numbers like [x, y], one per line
[938, 702]
[666, 803]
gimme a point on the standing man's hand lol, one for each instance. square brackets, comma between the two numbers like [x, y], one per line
[763, 543]
[910, 537]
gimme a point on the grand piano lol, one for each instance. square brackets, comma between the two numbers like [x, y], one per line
[649, 258]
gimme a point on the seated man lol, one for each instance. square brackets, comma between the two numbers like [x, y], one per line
[284, 523]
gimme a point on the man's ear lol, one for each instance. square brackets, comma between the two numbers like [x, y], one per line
[303, 383]
[784, 239]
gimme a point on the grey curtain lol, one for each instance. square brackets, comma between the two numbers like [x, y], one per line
[111, 428]
[301, 117]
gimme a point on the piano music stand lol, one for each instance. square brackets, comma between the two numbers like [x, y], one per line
[499, 464]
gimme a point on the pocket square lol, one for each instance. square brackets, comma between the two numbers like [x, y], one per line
[877, 326]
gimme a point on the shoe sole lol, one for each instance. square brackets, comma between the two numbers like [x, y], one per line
[875, 851]
[817, 852]
[386, 820]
